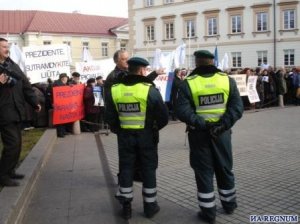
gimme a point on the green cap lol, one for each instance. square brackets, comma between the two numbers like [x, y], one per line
[138, 61]
[203, 54]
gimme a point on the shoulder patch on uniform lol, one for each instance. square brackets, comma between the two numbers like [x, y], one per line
[222, 73]
[192, 77]
[147, 84]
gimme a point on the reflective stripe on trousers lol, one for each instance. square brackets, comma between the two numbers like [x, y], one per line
[149, 195]
[227, 195]
[206, 200]
[126, 192]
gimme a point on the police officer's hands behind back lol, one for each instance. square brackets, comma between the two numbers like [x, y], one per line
[216, 130]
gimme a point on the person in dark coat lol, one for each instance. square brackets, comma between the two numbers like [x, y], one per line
[61, 129]
[136, 112]
[92, 112]
[174, 91]
[209, 103]
[121, 70]
[15, 90]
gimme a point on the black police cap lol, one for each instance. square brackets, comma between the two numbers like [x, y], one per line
[138, 61]
[203, 54]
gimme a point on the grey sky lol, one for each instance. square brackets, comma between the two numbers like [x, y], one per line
[116, 8]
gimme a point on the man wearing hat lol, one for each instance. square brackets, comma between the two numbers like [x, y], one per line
[75, 79]
[209, 103]
[62, 81]
[136, 112]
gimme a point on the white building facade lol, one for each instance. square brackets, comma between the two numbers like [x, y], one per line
[251, 32]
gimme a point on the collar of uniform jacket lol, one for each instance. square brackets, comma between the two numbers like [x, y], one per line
[134, 79]
[203, 70]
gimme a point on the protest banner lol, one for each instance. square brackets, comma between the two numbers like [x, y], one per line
[97, 91]
[241, 83]
[251, 89]
[47, 61]
[164, 82]
[92, 69]
[68, 104]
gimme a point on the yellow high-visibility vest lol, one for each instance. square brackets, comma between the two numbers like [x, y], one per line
[131, 104]
[210, 95]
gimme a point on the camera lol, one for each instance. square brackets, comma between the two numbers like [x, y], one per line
[10, 80]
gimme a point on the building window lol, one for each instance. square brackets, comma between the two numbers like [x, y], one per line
[262, 21]
[123, 47]
[150, 35]
[85, 45]
[169, 31]
[104, 49]
[262, 58]
[169, 1]
[289, 57]
[67, 43]
[212, 26]
[236, 59]
[149, 3]
[289, 19]
[236, 24]
[46, 42]
[190, 29]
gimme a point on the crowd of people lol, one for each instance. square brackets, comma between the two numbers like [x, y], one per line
[271, 85]
[206, 99]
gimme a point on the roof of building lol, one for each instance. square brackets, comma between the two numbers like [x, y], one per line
[19, 21]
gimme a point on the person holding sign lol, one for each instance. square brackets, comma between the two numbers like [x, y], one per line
[136, 112]
[15, 89]
[209, 103]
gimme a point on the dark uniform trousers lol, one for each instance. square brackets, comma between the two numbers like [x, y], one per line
[12, 141]
[133, 145]
[210, 156]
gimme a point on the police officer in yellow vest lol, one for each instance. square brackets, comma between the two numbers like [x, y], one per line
[209, 103]
[136, 112]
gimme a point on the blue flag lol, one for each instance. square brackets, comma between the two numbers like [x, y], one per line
[216, 60]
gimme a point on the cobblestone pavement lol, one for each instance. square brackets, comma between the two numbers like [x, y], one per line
[266, 148]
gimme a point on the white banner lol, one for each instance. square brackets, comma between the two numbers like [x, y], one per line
[47, 61]
[164, 82]
[241, 83]
[92, 69]
[97, 91]
[251, 89]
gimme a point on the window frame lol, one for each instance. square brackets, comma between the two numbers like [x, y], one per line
[169, 30]
[235, 26]
[261, 56]
[287, 55]
[236, 59]
[47, 42]
[168, 2]
[211, 14]
[289, 20]
[147, 3]
[104, 49]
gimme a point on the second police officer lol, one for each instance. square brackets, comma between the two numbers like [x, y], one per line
[209, 103]
[136, 112]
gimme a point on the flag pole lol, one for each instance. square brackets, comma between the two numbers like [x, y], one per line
[190, 33]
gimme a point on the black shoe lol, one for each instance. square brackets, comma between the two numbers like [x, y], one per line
[7, 182]
[207, 219]
[126, 213]
[150, 209]
[230, 211]
[60, 135]
[17, 176]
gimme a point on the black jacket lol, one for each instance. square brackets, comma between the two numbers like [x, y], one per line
[186, 110]
[12, 98]
[156, 114]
